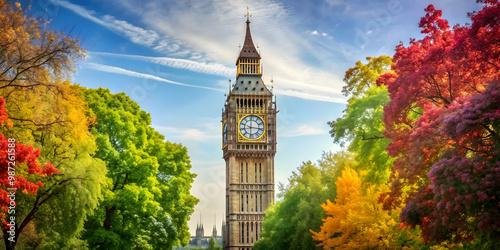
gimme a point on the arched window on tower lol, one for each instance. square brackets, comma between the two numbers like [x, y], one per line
[241, 179]
[255, 172]
[247, 172]
[251, 227]
[241, 203]
[256, 232]
[248, 233]
[256, 201]
[260, 172]
[261, 202]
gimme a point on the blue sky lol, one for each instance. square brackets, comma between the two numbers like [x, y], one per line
[175, 58]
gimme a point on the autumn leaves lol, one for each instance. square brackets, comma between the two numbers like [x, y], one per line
[423, 129]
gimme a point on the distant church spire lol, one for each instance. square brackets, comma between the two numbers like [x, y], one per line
[214, 230]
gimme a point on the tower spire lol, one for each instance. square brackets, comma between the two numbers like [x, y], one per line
[248, 49]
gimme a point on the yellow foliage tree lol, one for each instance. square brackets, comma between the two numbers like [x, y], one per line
[355, 221]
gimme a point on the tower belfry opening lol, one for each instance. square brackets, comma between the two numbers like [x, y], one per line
[249, 147]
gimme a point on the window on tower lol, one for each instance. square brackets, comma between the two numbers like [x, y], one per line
[256, 232]
[256, 203]
[261, 203]
[255, 172]
[260, 172]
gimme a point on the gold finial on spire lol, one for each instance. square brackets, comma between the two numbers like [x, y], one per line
[248, 13]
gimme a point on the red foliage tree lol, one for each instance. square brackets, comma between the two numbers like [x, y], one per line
[443, 121]
[24, 156]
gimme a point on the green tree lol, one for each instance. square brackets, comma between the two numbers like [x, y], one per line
[287, 223]
[213, 244]
[362, 126]
[147, 202]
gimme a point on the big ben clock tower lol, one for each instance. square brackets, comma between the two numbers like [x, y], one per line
[249, 147]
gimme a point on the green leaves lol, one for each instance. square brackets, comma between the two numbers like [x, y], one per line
[149, 192]
[364, 76]
[361, 126]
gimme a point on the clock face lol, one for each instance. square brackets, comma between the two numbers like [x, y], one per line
[224, 133]
[252, 127]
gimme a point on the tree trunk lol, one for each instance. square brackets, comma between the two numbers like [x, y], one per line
[9, 245]
[107, 220]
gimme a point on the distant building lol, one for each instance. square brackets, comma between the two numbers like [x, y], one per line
[202, 241]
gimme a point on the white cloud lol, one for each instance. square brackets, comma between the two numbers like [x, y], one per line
[135, 34]
[186, 134]
[121, 71]
[303, 130]
[317, 33]
[202, 67]
[309, 96]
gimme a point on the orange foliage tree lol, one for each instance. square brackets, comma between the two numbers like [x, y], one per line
[355, 220]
